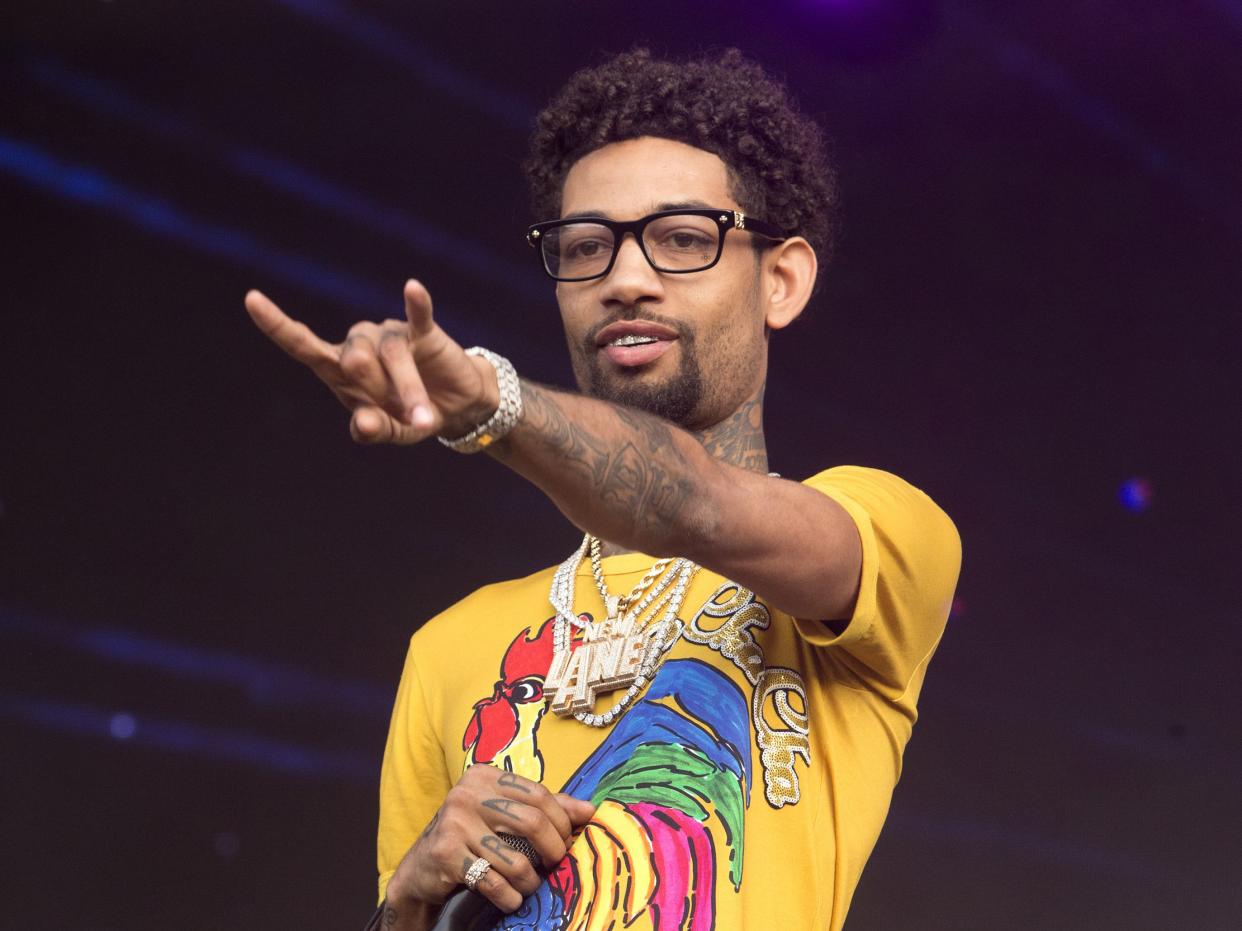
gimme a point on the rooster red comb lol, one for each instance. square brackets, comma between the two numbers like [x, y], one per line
[527, 655]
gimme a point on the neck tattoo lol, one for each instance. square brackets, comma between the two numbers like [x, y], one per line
[738, 439]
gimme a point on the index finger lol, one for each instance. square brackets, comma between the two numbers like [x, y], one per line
[295, 338]
[417, 308]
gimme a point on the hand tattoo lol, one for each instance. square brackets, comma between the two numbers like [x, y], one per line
[510, 781]
[502, 805]
[431, 825]
[495, 845]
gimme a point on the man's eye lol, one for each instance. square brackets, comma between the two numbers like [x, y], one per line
[686, 241]
[584, 249]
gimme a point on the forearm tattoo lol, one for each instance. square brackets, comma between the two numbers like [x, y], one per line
[645, 476]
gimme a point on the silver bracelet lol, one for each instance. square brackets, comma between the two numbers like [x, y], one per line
[507, 414]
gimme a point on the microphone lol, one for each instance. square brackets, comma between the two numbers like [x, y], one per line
[467, 910]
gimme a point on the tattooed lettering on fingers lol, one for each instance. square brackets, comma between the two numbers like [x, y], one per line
[502, 805]
[493, 844]
[510, 781]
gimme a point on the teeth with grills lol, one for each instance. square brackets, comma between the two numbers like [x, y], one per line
[632, 339]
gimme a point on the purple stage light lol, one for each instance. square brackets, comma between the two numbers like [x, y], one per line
[122, 726]
[837, 5]
[889, 10]
[1135, 494]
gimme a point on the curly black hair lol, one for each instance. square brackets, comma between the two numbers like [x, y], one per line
[726, 105]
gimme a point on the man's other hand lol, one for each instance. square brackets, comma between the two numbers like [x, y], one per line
[404, 380]
[485, 802]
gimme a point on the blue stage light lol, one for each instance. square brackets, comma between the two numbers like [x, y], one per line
[1135, 494]
[183, 738]
[122, 726]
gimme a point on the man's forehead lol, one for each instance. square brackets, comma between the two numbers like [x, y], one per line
[640, 176]
[646, 209]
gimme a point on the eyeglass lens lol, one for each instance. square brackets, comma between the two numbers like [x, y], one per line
[679, 243]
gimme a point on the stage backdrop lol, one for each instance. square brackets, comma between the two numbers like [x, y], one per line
[206, 589]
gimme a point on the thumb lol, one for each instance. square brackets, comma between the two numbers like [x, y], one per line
[579, 810]
[372, 425]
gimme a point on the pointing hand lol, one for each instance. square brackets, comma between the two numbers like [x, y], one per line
[404, 380]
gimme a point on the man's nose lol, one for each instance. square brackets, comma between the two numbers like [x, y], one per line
[632, 278]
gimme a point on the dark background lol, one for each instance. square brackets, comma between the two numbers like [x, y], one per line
[207, 589]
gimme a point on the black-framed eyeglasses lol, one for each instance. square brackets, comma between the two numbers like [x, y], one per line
[674, 241]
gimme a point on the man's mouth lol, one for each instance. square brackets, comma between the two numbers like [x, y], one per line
[632, 343]
[632, 339]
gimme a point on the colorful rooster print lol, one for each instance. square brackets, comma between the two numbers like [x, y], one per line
[671, 783]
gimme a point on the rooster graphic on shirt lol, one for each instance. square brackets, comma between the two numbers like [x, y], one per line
[671, 782]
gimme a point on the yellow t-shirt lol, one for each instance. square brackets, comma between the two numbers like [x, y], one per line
[746, 786]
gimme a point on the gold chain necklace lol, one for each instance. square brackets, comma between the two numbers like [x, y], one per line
[621, 653]
[617, 607]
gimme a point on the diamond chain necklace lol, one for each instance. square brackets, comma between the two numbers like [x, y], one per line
[617, 607]
[658, 635]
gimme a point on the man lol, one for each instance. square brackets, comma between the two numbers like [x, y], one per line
[708, 740]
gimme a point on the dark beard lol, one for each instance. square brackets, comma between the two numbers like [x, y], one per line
[677, 399]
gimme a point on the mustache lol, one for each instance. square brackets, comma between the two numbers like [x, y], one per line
[629, 315]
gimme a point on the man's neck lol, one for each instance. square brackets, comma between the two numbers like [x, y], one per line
[737, 440]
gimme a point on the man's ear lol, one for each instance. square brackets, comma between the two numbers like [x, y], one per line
[789, 271]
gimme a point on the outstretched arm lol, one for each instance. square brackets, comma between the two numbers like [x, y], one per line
[641, 482]
[621, 474]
